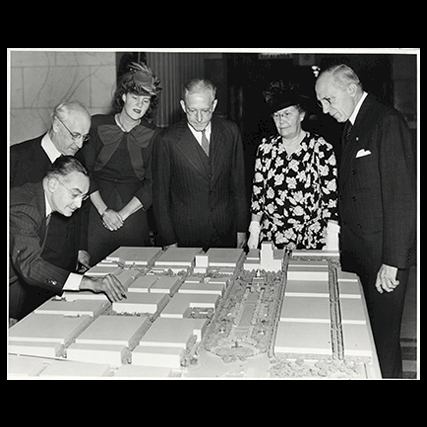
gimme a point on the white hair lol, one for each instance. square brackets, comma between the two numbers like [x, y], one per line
[343, 75]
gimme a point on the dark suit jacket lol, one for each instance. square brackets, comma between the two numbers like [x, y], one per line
[195, 196]
[27, 235]
[377, 196]
[29, 163]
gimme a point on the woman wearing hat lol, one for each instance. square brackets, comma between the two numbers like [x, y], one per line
[295, 183]
[118, 155]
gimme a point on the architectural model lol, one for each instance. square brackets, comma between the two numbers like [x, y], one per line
[186, 310]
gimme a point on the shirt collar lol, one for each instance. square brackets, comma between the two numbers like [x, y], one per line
[50, 150]
[198, 133]
[356, 110]
[48, 208]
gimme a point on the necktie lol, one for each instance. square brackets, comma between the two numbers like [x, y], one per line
[205, 142]
[347, 130]
[48, 220]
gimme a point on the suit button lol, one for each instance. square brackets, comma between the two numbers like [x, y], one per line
[354, 198]
[353, 172]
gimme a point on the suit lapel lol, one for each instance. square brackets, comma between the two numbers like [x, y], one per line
[38, 163]
[41, 207]
[217, 148]
[352, 146]
[187, 145]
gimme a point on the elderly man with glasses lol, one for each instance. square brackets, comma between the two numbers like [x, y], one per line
[199, 195]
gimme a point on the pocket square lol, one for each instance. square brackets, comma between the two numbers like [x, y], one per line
[362, 153]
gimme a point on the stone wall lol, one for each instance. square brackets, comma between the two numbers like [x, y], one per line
[39, 80]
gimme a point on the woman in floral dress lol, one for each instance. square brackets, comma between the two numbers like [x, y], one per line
[295, 183]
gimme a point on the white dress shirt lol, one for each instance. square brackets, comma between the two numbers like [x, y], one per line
[356, 110]
[48, 147]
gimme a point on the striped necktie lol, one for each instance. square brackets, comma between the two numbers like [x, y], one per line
[205, 142]
[48, 220]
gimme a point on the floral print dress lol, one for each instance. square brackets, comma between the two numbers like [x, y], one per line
[296, 194]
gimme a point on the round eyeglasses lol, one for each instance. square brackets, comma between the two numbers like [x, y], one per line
[75, 136]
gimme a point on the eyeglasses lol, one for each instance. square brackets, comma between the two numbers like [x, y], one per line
[75, 136]
[73, 194]
[192, 112]
[325, 102]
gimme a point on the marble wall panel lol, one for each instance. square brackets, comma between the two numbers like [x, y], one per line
[40, 80]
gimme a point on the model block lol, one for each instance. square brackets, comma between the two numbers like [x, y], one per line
[202, 263]
[305, 309]
[352, 311]
[178, 333]
[306, 288]
[225, 257]
[218, 280]
[111, 354]
[76, 370]
[166, 285]
[143, 284]
[356, 340]
[253, 255]
[135, 256]
[193, 279]
[202, 288]
[102, 269]
[165, 357]
[127, 276]
[140, 303]
[349, 289]
[115, 330]
[83, 295]
[345, 276]
[41, 349]
[167, 269]
[182, 304]
[48, 328]
[303, 338]
[181, 257]
[303, 265]
[304, 270]
[92, 308]
[229, 271]
[269, 259]
[324, 253]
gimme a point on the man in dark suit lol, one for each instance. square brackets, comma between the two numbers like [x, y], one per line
[377, 203]
[67, 240]
[199, 193]
[62, 190]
